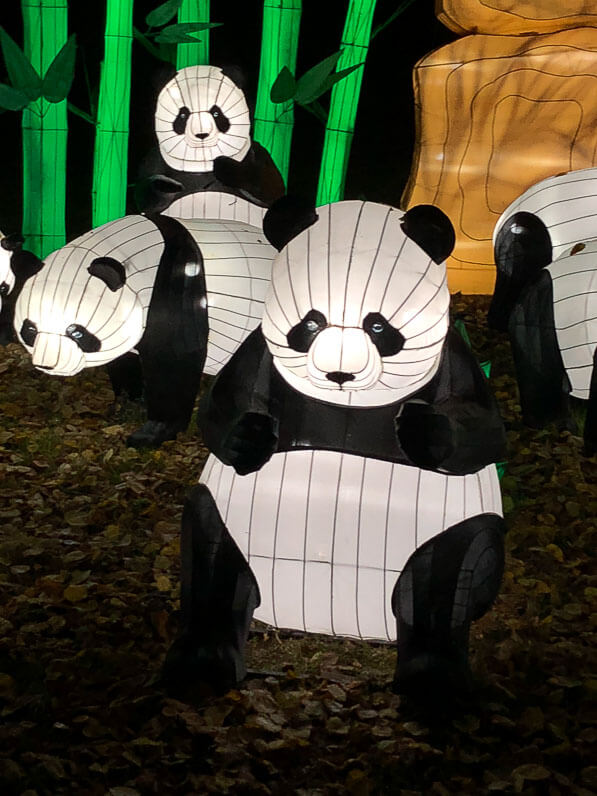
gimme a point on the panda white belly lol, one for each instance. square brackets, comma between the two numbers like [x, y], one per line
[574, 280]
[328, 533]
[215, 204]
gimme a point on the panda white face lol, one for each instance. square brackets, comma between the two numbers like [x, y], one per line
[357, 312]
[86, 306]
[201, 114]
[7, 278]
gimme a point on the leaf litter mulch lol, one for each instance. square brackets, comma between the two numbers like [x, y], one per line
[89, 600]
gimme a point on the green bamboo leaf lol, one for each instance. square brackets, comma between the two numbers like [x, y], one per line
[309, 85]
[60, 73]
[336, 77]
[284, 86]
[179, 33]
[20, 71]
[162, 14]
[11, 99]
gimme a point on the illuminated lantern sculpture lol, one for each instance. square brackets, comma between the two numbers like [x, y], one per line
[203, 131]
[148, 286]
[546, 296]
[16, 265]
[354, 436]
[498, 110]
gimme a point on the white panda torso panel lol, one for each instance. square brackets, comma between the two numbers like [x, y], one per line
[237, 260]
[566, 204]
[574, 281]
[214, 204]
[375, 514]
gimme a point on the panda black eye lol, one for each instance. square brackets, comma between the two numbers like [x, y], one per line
[221, 120]
[179, 124]
[4, 288]
[87, 342]
[301, 336]
[28, 332]
[385, 337]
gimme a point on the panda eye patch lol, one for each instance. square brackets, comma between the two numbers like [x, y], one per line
[301, 336]
[179, 124]
[87, 342]
[220, 119]
[28, 332]
[385, 337]
[4, 288]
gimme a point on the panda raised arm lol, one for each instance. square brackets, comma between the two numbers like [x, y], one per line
[203, 132]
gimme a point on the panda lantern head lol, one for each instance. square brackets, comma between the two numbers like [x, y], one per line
[8, 244]
[357, 310]
[201, 114]
[77, 312]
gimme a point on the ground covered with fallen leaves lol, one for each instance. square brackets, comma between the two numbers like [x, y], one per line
[89, 600]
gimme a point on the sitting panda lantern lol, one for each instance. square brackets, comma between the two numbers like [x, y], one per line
[158, 300]
[546, 297]
[203, 126]
[16, 266]
[352, 438]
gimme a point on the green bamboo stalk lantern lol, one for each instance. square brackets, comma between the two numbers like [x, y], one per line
[112, 128]
[279, 42]
[344, 101]
[191, 54]
[44, 132]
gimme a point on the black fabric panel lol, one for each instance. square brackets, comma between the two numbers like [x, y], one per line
[542, 381]
[255, 178]
[174, 344]
[519, 256]
[590, 432]
[472, 434]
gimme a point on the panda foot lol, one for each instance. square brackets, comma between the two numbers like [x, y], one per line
[203, 670]
[430, 677]
[152, 434]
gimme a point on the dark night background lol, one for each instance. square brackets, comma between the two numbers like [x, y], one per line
[383, 144]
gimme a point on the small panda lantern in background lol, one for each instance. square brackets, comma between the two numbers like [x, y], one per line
[133, 294]
[16, 265]
[352, 437]
[546, 297]
[203, 131]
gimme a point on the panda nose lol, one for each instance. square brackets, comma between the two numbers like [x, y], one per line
[339, 376]
[201, 135]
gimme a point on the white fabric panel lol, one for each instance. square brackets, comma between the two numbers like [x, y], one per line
[198, 89]
[353, 261]
[327, 533]
[574, 279]
[567, 205]
[215, 204]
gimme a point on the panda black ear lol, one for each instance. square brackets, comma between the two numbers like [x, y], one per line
[110, 271]
[431, 229]
[12, 243]
[288, 216]
[236, 74]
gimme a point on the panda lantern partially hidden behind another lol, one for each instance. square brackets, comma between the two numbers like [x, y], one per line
[351, 476]
[203, 126]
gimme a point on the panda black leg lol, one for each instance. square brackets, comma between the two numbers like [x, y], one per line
[126, 376]
[447, 583]
[218, 596]
[590, 432]
[171, 386]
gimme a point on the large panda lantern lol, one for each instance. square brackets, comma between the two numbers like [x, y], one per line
[203, 132]
[546, 297]
[133, 294]
[352, 436]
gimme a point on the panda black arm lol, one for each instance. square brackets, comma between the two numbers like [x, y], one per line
[237, 416]
[256, 177]
[454, 423]
[542, 381]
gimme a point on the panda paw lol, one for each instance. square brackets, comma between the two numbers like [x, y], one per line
[192, 668]
[153, 433]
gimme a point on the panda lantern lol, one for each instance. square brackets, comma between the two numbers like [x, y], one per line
[352, 437]
[16, 266]
[133, 294]
[546, 298]
[202, 127]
